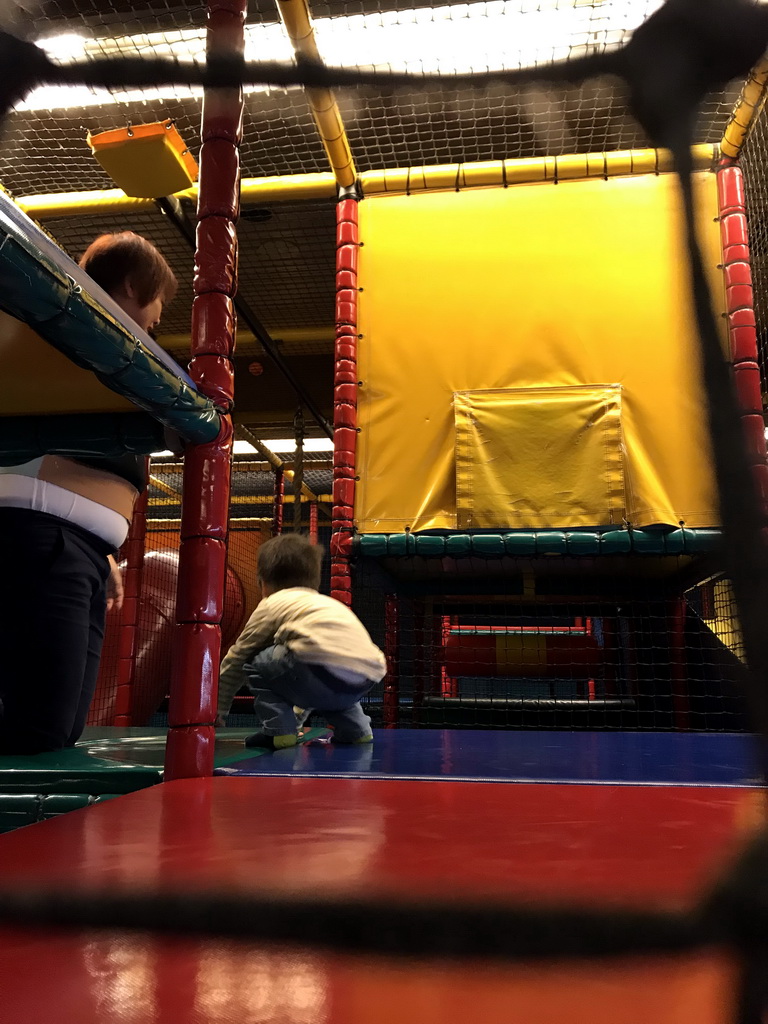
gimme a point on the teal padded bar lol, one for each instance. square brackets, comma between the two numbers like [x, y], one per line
[528, 543]
[489, 545]
[399, 545]
[41, 286]
[429, 546]
[583, 544]
[550, 542]
[705, 541]
[648, 542]
[522, 542]
[458, 545]
[616, 542]
[674, 542]
[372, 545]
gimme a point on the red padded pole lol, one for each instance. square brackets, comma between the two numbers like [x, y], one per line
[741, 319]
[207, 467]
[344, 399]
[313, 521]
[133, 552]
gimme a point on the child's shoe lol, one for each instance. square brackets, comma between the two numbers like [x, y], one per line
[265, 742]
[367, 738]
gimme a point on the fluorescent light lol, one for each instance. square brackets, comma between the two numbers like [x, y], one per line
[276, 444]
[489, 36]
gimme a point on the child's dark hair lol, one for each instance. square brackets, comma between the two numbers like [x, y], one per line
[290, 561]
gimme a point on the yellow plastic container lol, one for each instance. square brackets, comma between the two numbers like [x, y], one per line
[146, 161]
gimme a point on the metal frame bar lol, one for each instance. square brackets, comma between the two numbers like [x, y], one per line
[325, 111]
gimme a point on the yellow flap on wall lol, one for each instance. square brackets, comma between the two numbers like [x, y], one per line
[538, 457]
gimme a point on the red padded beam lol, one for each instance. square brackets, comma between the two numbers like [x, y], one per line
[741, 319]
[205, 502]
[344, 398]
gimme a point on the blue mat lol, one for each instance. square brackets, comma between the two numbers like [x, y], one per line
[639, 758]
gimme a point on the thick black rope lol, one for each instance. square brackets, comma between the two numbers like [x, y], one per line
[385, 926]
[731, 36]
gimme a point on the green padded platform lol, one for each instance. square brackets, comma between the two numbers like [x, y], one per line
[104, 764]
[533, 543]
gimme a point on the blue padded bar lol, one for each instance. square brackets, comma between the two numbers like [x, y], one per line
[41, 286]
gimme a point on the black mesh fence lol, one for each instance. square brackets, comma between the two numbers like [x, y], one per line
[507, 649]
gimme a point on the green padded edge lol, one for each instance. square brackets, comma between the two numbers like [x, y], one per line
[28, 437]
[579, 543]
[136, 765]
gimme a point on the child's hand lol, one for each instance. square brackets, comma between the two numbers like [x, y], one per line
[221, 721]
[115, 592]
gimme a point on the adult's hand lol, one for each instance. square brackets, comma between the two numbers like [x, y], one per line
[115, 592]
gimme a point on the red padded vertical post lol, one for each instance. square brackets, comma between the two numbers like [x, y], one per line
[207, 467]
[133, 552]
[279, 502]
[344, 398]
[741, 320]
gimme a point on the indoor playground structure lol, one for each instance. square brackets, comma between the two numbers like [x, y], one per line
[445, 327]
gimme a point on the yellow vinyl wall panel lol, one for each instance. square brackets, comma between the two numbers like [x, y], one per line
[572, 434]
[579, 284]
[36, 379]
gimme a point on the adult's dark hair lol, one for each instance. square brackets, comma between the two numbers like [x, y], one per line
[290, 561]
[113, 259]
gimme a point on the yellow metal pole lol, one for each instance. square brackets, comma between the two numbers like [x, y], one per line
[274, 460]
[322, 102]
[522, 172]
[289, 336]
[239, 499]
[746, 111]
[395, 179]
[161, 485]
[113, 201]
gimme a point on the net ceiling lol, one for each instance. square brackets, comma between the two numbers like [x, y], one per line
[287, 249]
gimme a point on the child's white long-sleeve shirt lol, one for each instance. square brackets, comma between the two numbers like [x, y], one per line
[319, 630]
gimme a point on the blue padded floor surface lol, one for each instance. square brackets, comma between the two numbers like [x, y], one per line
[631, 758]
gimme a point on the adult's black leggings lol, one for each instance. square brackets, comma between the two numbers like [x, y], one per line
[53, 580]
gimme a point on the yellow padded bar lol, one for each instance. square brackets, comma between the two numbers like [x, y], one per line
[325, 110]
[748, 106]
[296, 187]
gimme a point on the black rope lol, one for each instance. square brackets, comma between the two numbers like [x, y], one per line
[383, 926]
[731, 34]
